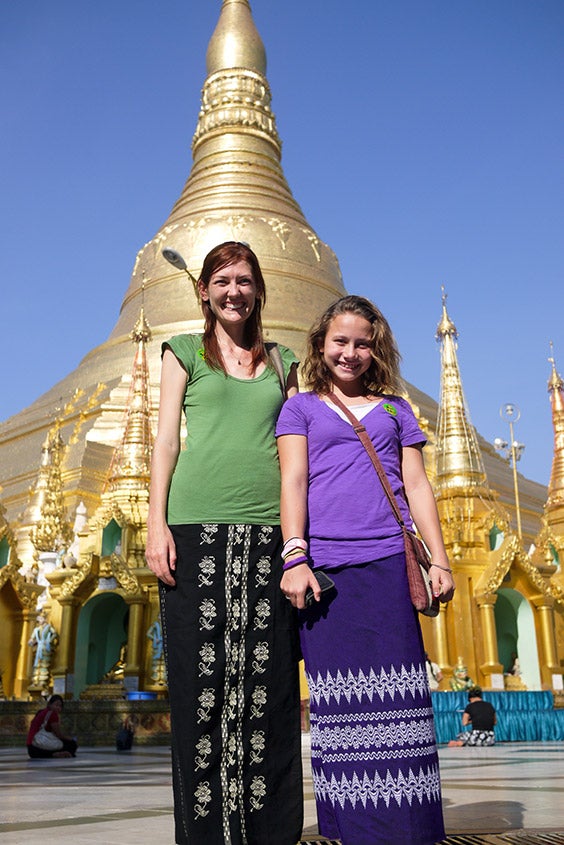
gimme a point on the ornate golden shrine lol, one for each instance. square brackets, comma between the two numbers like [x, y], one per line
[90, 457]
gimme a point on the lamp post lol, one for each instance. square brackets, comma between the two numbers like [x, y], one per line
[173, 257]
[512, 451]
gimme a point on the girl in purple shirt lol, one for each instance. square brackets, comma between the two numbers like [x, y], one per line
[374, 756]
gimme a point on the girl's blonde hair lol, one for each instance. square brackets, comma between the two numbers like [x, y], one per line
[383, 375]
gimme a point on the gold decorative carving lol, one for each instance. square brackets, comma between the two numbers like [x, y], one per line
[76, 576]
[314, 242]
[26, 591]
[236, 97]
[123, 575]
[92, 402]
[511, 552]
[240, 223]
[280, 228]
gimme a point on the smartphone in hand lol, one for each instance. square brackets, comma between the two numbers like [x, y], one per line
[325, 584]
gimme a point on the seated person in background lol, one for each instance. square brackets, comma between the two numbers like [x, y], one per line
[481, 715]
[434, 673]
[45, 738]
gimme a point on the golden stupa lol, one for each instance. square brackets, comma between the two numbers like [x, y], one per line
[75, 464]
[236, 191]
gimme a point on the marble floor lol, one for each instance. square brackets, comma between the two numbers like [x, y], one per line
[508, 793]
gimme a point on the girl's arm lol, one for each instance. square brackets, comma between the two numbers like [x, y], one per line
[161, 551]
[292, 449]
[423, 509]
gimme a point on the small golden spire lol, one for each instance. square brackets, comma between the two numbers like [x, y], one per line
[51, 531]
[141, 332]
[555, 381]
[128, 477]
[556, 390]
[446, 326]
[459, 459]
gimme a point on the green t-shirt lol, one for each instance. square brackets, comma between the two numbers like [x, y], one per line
[229, 471]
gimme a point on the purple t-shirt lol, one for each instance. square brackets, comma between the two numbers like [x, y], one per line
[350, 520]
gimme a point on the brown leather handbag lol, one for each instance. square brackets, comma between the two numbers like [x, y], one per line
[417, 558]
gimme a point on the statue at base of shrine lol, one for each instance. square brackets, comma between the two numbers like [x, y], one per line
[43, 640]
[460, 680]
[158, 668]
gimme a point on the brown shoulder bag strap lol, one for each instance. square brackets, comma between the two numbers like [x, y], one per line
[277, 363]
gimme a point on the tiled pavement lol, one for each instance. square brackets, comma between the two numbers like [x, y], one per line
[511, 793]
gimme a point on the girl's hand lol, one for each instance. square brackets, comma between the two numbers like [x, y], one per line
[442, 582]
[160, 553]
[295, 582]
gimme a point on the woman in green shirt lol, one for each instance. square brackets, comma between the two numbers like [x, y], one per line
[214, 543]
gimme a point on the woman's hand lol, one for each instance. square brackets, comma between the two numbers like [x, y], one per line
[295, 582]
[160, 553]
[442, 582]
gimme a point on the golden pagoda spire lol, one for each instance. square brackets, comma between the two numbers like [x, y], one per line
[51, 531]
[129, 473]
[237, 191]
[556, 390]
[459, 459]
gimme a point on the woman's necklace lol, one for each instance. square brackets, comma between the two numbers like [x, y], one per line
[236, 355]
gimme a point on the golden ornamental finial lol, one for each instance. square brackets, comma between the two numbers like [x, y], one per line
[555, 381]
[141, 332]
[236, 42]
[445, 326]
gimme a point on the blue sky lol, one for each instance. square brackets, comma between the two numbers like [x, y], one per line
[423, 140]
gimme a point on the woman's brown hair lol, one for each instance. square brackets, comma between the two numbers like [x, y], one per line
[383, 375]
[221, 256]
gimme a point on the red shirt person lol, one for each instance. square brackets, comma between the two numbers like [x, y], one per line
[48, 719]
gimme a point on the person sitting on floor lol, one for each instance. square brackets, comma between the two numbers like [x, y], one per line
[45, 738]
[481, 715]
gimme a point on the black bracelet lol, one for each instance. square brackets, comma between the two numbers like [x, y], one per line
[444, 568]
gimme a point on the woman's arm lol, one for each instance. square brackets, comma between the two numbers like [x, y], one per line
[161, 551]
[292, 449]
[423, 509]
[466, 720]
